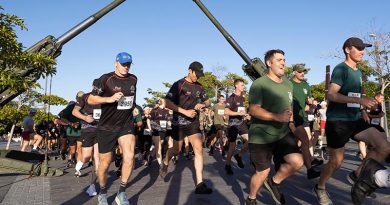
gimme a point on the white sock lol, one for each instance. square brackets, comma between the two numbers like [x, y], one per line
[35, 147]
[79, 165]
[382, 178]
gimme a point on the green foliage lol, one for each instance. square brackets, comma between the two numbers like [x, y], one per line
[318, 91]
[14, 61]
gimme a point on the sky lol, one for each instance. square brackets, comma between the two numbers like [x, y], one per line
[164, 37]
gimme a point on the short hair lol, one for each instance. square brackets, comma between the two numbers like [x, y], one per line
[221, 96]
[238, 80]
[269, 54]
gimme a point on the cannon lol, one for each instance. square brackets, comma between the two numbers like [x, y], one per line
[30, 163]
[52, 47]
[254, 68]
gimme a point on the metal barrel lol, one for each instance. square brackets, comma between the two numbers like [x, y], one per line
[52, 47]
[87, 22]
[229, 38]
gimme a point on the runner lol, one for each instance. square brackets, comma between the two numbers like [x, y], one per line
[301, 94]
[270, 104]
[186, 97]
[236, 111]
[345, 121]
[219, 119]
[29, 132]
[89, 115]
[159, 121]
[116, 93]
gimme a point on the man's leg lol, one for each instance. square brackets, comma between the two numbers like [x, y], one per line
[157, 147]
[293, 162]
[335, 159]
[127, 145]
[257, 180]
[196, 141]
[173, 151]
[104, 164]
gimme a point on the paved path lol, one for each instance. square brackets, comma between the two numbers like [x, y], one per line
[146, 188]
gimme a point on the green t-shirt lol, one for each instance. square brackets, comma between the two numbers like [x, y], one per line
[273, 97]
[351, 85]
[219, 112]
[300, 93]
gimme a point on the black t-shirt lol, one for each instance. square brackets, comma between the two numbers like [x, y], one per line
[159, 119]
[235, 103]
[116, 115]
[186, 95]
[87, 109]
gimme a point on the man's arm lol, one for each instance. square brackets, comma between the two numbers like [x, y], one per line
[172, 106]
[76, 112]
[334, 96]
[98, 100]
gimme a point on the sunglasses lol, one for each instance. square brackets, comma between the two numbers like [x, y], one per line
[300, 71]
[125, 64]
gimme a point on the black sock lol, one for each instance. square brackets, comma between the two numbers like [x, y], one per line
[122, 187]
[103, 190]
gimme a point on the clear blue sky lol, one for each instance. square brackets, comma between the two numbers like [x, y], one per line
[164, 37]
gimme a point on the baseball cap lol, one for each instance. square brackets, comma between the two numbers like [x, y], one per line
[323, 103]
[79, 94]
[197, 68]
[124, 57]
[33, 110]
[299, 67]
[356, 42]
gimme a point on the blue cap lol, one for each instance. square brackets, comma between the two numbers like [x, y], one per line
[124, 57]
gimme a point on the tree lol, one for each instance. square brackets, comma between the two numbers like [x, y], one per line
[13, 60]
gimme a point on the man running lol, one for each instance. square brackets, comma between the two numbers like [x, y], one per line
[345, 121]
[186, 98]
[116, 93]
[89, 115]
[270, 102]
[236, 111]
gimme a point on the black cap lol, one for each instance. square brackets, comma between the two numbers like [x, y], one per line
[197, 68]
[356, 42]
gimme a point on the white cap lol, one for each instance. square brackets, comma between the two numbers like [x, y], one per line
[323, 103]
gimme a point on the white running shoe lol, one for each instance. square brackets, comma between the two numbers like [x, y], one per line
[91, 191]
[78, 166]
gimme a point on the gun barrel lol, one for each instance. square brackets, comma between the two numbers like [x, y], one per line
[87, 22]
[229, 38]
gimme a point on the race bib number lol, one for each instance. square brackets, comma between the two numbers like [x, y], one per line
[241, 109]
[221, 112]
[96, 114]
[375, 121]
[163, 123]
[310, 117]
[125, 103]
[147, 132]
[354, 95]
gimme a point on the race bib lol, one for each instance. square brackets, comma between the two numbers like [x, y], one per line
[221, 112]
[241, 109]
[147, 132]
[354, 95]
[125, 103]
[375, 121]
[310, 117]
[163, 123]
[96, 114]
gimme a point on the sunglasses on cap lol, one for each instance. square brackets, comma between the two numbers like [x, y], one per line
[126, 64]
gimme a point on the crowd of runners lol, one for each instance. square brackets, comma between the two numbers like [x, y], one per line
[282, 128]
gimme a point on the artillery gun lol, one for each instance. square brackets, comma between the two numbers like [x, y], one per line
[31, 163]
[52, 47]
[254, 68]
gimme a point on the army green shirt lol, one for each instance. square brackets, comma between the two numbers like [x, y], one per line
[351, 85]
[273, 97]
[219, 112]
[300, 93]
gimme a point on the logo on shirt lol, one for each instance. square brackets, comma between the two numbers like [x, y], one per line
[197, 94]
[98, 90]
[117, 89]
[290, 96]
[305, 91]
[132, 89]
